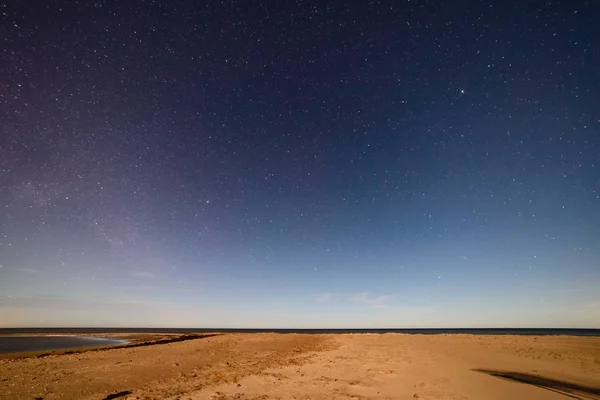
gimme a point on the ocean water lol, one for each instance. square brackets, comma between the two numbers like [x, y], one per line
[21, 344]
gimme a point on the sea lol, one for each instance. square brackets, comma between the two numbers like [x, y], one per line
[18, 340]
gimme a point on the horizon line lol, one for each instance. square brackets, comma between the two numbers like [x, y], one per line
[297, 329]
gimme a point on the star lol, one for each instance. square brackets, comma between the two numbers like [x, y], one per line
[250, 142]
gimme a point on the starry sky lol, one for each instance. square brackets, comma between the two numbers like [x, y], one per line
[300, 164]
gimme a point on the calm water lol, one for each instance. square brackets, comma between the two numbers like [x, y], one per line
[19, 344]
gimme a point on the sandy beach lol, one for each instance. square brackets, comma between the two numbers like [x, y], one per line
[297, 366]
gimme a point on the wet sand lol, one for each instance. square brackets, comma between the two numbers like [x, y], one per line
[296, 366]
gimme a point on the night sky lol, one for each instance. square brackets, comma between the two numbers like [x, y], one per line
[300, 164]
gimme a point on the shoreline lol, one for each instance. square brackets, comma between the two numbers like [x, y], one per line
[425, 331]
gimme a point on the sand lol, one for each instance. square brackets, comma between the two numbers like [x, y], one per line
[296, 366]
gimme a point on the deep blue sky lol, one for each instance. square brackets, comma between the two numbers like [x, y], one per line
[300, 164]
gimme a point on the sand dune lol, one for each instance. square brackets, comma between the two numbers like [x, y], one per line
[296, 366]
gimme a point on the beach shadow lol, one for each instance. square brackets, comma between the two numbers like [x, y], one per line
[570, 389]
[117, 395]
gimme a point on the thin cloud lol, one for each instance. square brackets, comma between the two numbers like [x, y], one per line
[144, 275]
[383, 306]
[365, 298]
[29, 271]
[323, 297]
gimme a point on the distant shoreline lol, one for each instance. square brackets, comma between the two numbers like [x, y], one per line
[419, 331]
